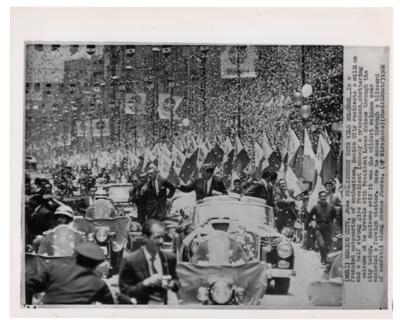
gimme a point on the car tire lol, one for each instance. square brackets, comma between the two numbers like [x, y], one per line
[282, 285]
[268, 290]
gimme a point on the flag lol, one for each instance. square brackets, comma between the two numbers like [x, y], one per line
[149, 159]
[238, 61]
[100, 127]
[218, 153]
[310, 161]
[201, 154]
[164, 165]
[314, 195]
[241, 158]
[168, 105]
[135, 103]
[83, 128]
[292, 182]
[227, 161]
[178, 158]
[191, 147]
[267, 149]
[293, 144]
[273, 159]
[326, 160]
[165, 150]
[259, 159]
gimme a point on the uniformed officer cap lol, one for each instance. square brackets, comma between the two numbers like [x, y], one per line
[90, 251]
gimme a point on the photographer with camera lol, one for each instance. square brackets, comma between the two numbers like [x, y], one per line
[149, 273]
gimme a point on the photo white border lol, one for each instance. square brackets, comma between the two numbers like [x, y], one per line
[311, 26]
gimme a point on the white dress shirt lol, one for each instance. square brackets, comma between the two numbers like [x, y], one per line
[208, 185]
[157, 262]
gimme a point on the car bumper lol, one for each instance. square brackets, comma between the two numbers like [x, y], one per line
[280, 273]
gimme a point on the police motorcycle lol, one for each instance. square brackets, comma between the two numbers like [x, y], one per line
[56, 247]
[328, 291]
[219, 272]
[108, 229]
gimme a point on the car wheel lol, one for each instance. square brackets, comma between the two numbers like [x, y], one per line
[282, 285]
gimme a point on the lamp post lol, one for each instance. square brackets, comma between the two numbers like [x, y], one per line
[204, 51]
[150, 87]
[171, 105]
[156, 52]
[240, 52]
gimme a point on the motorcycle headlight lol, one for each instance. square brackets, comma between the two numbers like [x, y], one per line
[240, 294]
[221, 292]
[202, 294]
[102, 234]
[284, 250]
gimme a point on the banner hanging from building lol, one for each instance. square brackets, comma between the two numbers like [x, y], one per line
[168, 105]
[135, 103]
[238, 62]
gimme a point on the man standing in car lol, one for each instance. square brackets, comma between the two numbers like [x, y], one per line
[206, 186]
[154, 194]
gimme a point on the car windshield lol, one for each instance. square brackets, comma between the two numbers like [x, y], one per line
[60, 242]
[219, 250]
[186, 203]
[102, 208]
[244, 213]
[119, 193]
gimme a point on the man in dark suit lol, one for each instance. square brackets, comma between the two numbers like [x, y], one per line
[68, 281]
[149, 272]
[154, 194]
[286, 213]
[264, 188]
[206, 186]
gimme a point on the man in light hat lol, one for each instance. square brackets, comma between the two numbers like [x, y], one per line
[154, 195]
[206, 186]
[72, 281]
[63, 215]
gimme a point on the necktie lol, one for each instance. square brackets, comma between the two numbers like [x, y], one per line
[152, 266]
[205, 187]
[155, 187]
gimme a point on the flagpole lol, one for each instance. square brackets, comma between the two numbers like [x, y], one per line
[156, 51]
[204, 50]
[239, 93]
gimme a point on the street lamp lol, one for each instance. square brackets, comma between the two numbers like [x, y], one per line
[203, 54]
[171, 103]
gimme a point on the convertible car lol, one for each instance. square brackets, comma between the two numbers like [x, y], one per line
[233, 238]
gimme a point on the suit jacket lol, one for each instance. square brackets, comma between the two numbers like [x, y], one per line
[155, 205]
[135, 269]
[198, 186]
[260, 191]
[286, 210]
[66, 282]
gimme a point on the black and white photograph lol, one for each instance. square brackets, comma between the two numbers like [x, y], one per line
[183, 174]
[164, 167]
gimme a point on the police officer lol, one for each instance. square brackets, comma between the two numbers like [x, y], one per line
[71, 281]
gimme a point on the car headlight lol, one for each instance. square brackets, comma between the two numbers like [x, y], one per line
[240, 294]
[284, 250]
[221, 292]
[202, 294]
[102, 234]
